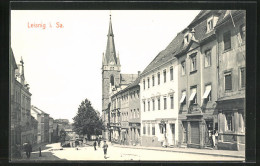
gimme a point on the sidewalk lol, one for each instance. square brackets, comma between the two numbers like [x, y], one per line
[220, 153]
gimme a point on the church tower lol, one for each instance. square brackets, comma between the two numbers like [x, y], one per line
[110, 68]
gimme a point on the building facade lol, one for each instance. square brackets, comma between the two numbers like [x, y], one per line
[51, 130]
[231, 37]
[112, 80]
[158, 100]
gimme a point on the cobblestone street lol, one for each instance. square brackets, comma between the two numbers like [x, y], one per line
[117, 152]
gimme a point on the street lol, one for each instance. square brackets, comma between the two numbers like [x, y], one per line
[53, 152]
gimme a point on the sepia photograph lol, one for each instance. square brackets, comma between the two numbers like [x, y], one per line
[127, 85]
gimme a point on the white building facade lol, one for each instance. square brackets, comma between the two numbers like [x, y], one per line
[159, 103]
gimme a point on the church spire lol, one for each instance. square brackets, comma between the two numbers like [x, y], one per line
[110, 56]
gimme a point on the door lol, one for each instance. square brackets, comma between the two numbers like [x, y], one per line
[208, 132]
[195, 133]
[185, 136]
[173, 133]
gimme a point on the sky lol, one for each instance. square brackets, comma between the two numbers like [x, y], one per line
[63, 62]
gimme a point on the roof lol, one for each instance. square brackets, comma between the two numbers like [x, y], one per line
[167, 54]
[37, 110]
[126, 79]
[225, 15]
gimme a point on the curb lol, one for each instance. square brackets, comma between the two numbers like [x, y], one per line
[171, 150]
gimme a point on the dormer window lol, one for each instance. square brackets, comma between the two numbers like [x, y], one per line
[186, 39]
[210, 25]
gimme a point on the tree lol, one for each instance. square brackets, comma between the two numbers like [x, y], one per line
[87, 120]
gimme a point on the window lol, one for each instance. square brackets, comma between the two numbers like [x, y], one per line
[153, 80]
[193, 96]
[131, 114]
[228, 81]
[242, 77]
[172, 104]
[153, 105]
[242, 30]
[183, 97]
[144, 84]
[134, 116]
[207, 61]
[144, 130]
[210, 25]
[144, 105]
[207, 93]
[148, 132]
[153, 129]
[186, 39]
[171, 73]
[164, 75]
[137, 113]
[227, 40]
[158, 75]
[148, 105]
[148, 82]
[165, 102]
[229, 121]
[183, 68]
[193, 63]
[159, 104]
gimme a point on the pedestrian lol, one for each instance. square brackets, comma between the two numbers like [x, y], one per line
[99, 140]
[28, 150]
[105, 146]
[95, 144]
[40, 151]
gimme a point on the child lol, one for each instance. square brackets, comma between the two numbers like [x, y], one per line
[105, 146]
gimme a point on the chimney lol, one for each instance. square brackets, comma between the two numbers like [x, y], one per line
[139, 72]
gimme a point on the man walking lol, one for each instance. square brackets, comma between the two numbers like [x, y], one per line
[28, 150]
[99, 142]
[105, 146]
[95, 144]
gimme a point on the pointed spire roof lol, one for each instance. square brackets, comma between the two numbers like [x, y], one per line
[110, 55]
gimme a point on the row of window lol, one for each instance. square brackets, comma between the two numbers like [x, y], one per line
[229, 121]
[147, 131]
[158, 78]
[134, 113]
[228, 79]
[227, 37]
[151, 104]
[134, 94]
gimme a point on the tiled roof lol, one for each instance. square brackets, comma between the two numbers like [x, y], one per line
[200, 16]
[225, 15]
[126, 79]
[168, 53]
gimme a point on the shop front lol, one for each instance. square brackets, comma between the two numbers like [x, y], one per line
[134, 133]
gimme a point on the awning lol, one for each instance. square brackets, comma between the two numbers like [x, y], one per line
[183, 97]
[192, 95]
[206, 94]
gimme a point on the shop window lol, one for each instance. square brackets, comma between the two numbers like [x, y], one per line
[207, 60]
[171, 73]
[148, 132]
[227, 40]
[183, 68]
[228, 81]
[148, 105]
[144, 105]
[144, 84]
[242, 77]
[144, 129]
[229, 121]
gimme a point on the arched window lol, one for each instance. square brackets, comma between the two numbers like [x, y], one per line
[112, 80]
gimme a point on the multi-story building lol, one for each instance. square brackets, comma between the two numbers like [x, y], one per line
[231, 35]
[125, 115]
[25, 104]
[159, 99]
[35, 130]
[112, 79]
[197, 59]
[43, 124]
[15, 133]
[50, 130]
